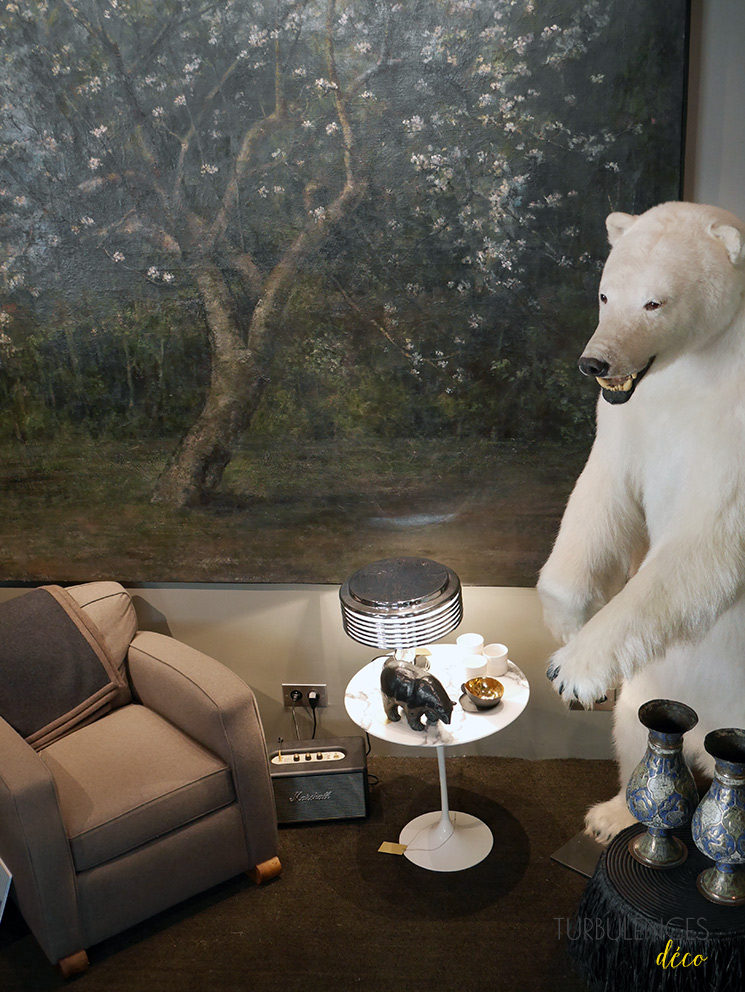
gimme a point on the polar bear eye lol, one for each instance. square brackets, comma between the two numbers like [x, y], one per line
[603, 298]
[652, 305]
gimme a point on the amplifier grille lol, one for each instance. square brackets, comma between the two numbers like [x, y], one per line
[320, 797]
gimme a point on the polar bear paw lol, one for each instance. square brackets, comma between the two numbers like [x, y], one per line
[577, 673]
[604, 820]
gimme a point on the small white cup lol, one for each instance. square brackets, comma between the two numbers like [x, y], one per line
[496, 659]
[475, 666]
[470, 643]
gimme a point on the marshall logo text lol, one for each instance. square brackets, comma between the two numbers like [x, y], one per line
[309, 797]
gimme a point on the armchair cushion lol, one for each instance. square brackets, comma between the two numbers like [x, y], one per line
[109, 606]
[163, 781]
[56, 672]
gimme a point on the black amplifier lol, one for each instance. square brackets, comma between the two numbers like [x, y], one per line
[320, 780]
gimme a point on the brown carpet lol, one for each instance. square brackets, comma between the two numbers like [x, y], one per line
[343, 917]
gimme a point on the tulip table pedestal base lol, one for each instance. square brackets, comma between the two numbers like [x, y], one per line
[446, 840]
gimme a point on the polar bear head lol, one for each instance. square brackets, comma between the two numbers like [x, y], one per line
[674, 281]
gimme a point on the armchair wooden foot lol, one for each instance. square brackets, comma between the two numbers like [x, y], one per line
[265, 871]
[73, 964]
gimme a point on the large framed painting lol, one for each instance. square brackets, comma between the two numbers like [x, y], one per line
[287, 286]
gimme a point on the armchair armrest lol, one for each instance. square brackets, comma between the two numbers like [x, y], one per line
[34, 845]
[213, 705]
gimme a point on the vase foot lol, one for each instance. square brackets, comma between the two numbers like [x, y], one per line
[658, 850]
[726, 888]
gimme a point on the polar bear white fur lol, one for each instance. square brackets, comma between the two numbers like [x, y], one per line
[646, 581]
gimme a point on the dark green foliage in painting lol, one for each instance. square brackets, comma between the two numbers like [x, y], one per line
[492, 139]
[136, 371]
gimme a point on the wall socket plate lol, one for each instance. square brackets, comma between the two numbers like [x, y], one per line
[304, 688]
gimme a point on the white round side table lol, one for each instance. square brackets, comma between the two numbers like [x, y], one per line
[443, 840]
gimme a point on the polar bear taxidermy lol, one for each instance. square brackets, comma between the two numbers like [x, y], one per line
[646, 581]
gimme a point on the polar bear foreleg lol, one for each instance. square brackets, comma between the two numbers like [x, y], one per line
[676, 596]
[600, 535]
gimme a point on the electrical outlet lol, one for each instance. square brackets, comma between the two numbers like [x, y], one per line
[304, 688]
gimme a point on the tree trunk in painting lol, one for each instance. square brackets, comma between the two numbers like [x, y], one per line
[237, 381]
[236, 384]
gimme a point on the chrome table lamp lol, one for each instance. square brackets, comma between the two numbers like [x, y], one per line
[400, 603]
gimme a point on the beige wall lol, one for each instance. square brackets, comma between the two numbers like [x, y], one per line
[271, 634]
[715, 149]
[275, 634]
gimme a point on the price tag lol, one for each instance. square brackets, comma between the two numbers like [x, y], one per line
[388, 847]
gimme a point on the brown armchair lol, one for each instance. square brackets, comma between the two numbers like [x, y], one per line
[156, 793]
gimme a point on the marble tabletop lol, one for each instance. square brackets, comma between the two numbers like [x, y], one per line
[364, 703]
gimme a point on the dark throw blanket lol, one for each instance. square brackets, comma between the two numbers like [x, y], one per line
[55, 669]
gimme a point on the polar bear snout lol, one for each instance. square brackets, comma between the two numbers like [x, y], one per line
[616, 388]
[593, 367]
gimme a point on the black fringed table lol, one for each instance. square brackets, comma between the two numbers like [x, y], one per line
[631, 915]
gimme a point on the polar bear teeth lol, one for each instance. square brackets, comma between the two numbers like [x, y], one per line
[618, 384]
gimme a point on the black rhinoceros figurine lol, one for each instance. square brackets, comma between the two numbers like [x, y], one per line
[418, 694]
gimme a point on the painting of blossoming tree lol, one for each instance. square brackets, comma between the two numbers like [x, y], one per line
[287, 286]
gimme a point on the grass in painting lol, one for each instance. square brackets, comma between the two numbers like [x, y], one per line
[80, 509]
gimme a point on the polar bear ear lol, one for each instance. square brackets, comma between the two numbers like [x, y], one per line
[732, 240]
[617, 224]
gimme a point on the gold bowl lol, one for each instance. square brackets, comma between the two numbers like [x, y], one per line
[483, 691]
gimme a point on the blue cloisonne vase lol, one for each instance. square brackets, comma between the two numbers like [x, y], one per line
[661, 792]
[718, 825]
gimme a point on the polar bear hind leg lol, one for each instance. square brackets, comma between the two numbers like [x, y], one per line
[604, 820]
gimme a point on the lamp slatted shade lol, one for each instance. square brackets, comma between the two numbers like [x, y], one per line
[401, 603]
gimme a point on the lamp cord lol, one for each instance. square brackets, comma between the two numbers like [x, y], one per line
[313, 700]
[371, 779]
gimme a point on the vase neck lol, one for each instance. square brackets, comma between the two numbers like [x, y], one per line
[665, 743]
[729, 773]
